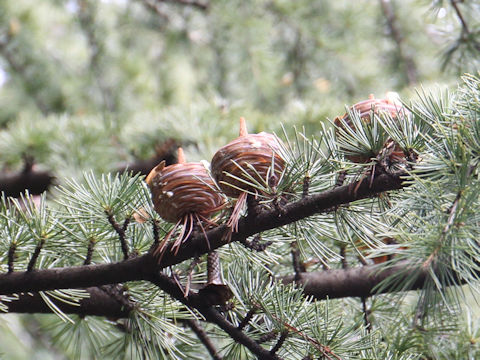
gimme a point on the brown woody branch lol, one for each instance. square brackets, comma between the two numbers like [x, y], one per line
[146, 267]
[211, 314]
[333, 283]
[77, 276]
[360, 281]
[142, 267]
[36, 182]
[352, 282]
[100, 303]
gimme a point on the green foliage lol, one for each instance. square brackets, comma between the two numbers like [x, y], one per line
[90, 86]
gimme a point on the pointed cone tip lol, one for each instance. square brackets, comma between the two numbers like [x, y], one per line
[243, 127]
[180, 156]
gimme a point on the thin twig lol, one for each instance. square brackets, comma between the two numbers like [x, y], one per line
[465, 34]
[11, 257]
[343, 254]
[267, 337]
[341, 178]
[256, 243]
[281, 340]
[120, 230]
[247, 318]
[366, 312]
[91, 245]
[465, 28]
[298, 267]
[36, 253]
[325, 350]
[126, 222]
[211, 314]
[451, 217]
[203, 337]
[419, 313]
[152, 5]
[194, 3]
[156, 235]
[305, 186]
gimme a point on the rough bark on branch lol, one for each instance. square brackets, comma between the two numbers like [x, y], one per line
[211, 314]
[355, 282]
[142, 267]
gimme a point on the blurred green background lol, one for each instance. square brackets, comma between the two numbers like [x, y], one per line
[90, 84]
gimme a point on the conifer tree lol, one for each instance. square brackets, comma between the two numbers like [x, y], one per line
[358, 239]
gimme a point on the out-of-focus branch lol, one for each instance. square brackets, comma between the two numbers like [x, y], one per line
[101, 302]
[87, 18]
[460, 16]
[37, 182]
[167, 151]
[153, 6]
[465, 29]
[392, 23]
[202, 5]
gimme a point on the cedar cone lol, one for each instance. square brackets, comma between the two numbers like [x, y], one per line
[182, 189]
[390, 106]
[237, 158]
